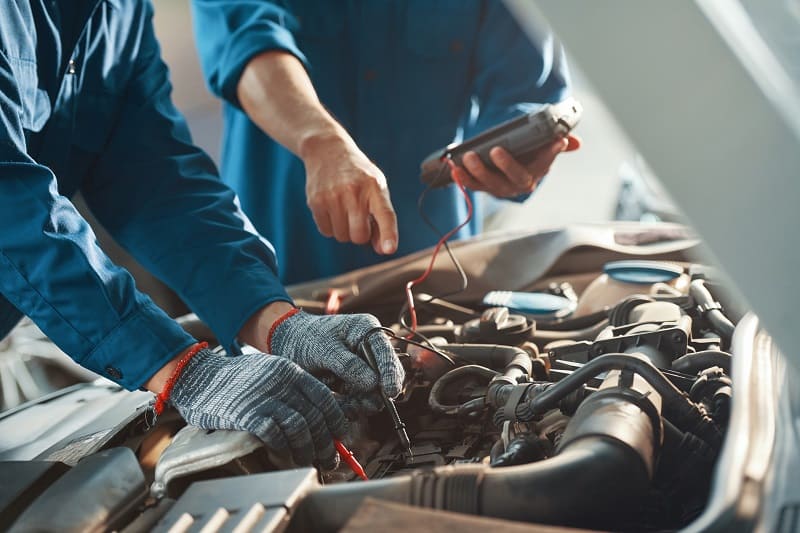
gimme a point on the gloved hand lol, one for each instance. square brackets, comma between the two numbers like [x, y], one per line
[330, 343]
[268, 396]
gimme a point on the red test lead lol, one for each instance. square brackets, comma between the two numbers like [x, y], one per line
[350, 459]
[410, 285]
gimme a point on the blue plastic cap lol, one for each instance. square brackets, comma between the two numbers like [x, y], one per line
[540, 304]
[642, 272]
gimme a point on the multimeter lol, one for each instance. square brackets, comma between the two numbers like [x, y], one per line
[521, 136]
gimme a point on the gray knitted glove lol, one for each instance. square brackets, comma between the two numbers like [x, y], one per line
[352, 403]
[330, 343]
[268, 396]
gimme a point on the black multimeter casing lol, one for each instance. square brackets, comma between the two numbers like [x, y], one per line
[521, 136]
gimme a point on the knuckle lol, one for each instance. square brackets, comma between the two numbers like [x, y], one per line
[325, 197]
[319, 198]
[349, 189]
[314, 203]
[385, 212]
[381, 198]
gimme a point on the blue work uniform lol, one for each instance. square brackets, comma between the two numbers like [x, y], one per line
[85, 106]
[403, 77]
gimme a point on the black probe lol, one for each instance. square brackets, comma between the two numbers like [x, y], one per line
[397, 422]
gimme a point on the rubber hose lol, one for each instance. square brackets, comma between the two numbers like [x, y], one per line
[692, 363]
[435, 402]
[719, 322]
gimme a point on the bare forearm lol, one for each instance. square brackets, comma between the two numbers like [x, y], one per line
[346, 192]
[277, 94]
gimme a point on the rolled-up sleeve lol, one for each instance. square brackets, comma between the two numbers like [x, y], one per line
[230, 32]
[54, 272]
[161, 198]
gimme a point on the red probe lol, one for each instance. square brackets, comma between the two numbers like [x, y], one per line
[350, 459]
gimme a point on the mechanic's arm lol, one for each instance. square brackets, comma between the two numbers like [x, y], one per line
[251, 59]
[344, 189]
[171, 211]
[513, 76]
[54, 272]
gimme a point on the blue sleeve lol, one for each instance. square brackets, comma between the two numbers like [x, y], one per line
[513, 74]
[229, 33]
[161, 198]
[54, 272]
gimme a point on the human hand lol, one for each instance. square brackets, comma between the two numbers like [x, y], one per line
[511, 178]
[268, 396]
[330, 344]
[348, 195]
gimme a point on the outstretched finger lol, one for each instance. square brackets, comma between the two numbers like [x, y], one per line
[358, 221]
[380, 207]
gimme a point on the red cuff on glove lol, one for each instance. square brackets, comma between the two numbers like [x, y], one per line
[281, 319]
[163, 397]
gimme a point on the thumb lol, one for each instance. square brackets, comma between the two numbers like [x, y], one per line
[389, 366]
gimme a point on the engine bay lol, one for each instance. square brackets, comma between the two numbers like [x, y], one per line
[597, 399]
[640, 364]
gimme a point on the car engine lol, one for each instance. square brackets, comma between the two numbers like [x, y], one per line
[595, 399]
